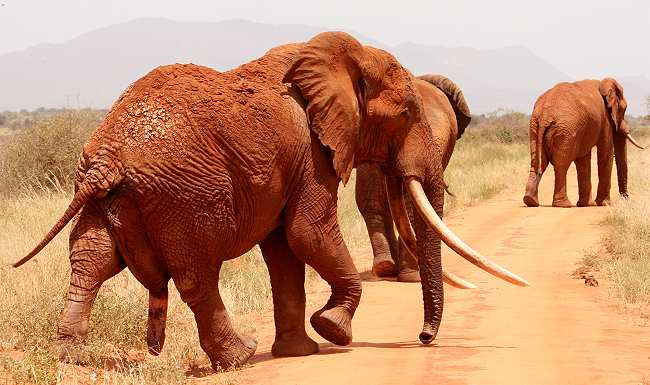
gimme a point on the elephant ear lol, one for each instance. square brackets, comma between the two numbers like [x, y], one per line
[327, 72]
[456, 99]
[612, 93]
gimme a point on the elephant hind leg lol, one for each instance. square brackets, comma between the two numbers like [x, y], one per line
[560, 198]
[287, 275]
[532, 185]
[93, 260]
[225, 348]
[583, 168]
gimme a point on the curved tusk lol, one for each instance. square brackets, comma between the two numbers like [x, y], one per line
[429, 215]
[395, 192]
[456, 281]
[633, 141]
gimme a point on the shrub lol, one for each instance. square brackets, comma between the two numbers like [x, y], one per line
[45, 155]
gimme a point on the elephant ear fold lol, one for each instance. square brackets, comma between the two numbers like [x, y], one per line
[328, 75]
[612, 93]
[455, 97]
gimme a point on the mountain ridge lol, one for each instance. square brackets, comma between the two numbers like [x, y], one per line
[97, 66]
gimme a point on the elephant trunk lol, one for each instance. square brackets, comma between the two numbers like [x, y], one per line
[430, 264]
[620, 154]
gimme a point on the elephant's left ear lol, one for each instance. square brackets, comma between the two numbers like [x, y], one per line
[328, 75]
[612, 93]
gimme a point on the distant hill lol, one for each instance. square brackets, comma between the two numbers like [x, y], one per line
[94, 68]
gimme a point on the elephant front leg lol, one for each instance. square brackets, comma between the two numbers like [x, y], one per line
[93, 260]
[560, 198]
[383, 241]
[314, 236]
[287, 275]
[605, 162]
[583, 168]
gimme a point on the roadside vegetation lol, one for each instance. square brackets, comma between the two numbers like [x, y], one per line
[625, 255]
[38, 155]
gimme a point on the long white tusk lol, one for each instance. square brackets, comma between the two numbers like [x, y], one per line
[395, 192]
[430, 216]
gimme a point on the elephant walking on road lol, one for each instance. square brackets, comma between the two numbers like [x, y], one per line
[448, 115]
[567, 122]
[192, 167]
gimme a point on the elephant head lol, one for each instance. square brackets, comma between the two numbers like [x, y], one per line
[363, 105]
[616, 104]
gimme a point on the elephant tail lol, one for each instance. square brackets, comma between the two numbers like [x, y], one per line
[97, 181]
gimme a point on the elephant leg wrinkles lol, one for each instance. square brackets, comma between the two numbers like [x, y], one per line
[198, 285]
[560, 198]
[583, 168]
[287, 275]
[93, 260]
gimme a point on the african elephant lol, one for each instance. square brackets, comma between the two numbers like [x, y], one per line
[567, 122]
[448, 115]
[192, 167]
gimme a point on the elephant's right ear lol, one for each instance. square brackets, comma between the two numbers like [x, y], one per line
[328, 75]
[612, 93]
[455, 97]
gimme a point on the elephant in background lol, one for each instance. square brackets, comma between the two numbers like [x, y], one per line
[567, 122]
[448, 115]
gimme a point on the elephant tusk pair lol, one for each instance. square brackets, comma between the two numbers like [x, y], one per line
[432, 219]
[633, 141]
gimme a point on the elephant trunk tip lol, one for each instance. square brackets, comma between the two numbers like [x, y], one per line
[428, 334]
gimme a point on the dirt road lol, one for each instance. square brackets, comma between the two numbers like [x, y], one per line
[558, 331]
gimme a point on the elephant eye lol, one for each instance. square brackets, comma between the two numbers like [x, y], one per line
[405, 113]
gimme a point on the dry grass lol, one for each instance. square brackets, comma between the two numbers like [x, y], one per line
[626, 253]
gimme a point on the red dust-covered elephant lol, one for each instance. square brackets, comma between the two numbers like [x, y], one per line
[567, 122]
[192, 167]
[448, 115]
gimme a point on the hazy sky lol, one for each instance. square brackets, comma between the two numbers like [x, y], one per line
[582, 38]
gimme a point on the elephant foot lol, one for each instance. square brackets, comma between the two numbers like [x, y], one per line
[408, 275]
[293, 345]
[585, 203]
[384, 268]
[335, 325]
[235, 355]
[562, 203]
[531, 201]
[603, 202]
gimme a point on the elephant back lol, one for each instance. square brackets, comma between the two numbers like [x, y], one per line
[456, 99]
